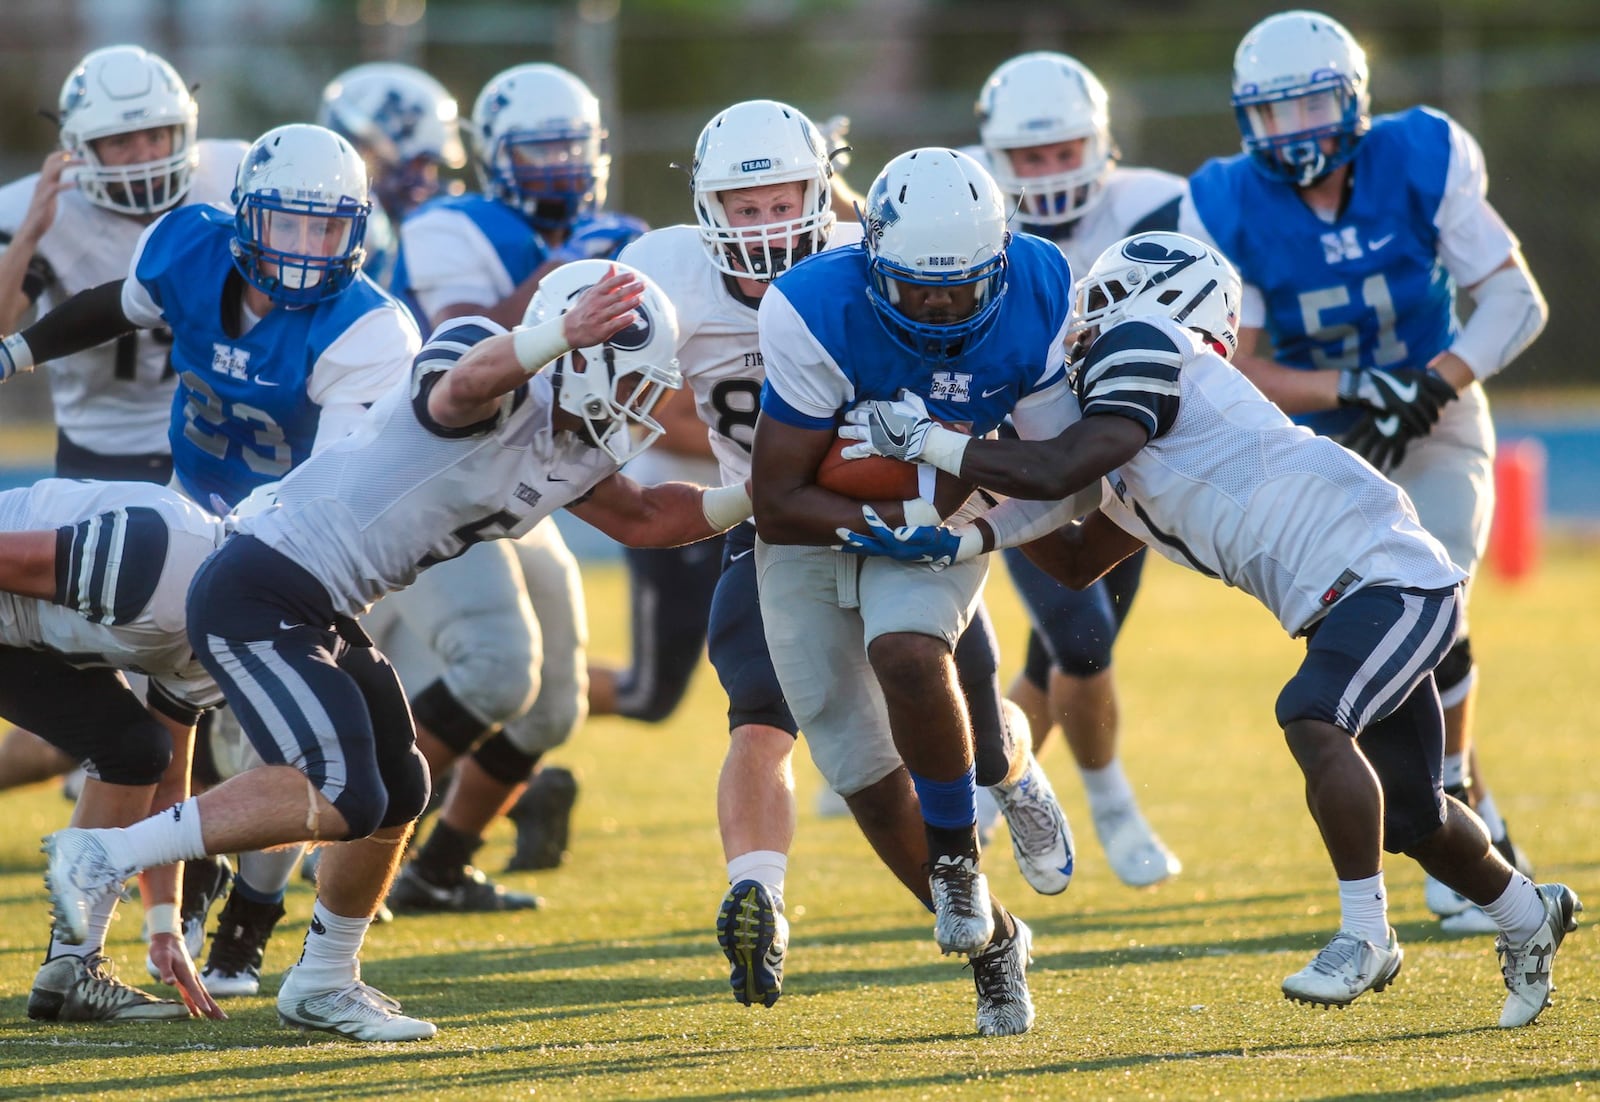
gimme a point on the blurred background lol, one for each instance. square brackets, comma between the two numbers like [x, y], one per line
[1524, 78]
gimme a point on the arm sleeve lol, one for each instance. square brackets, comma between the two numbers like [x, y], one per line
[449, 262]
[1016, 522]
[86, 319]
[1473, 240]
[804, 386]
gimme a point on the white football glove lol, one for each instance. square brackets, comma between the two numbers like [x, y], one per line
[902, 429]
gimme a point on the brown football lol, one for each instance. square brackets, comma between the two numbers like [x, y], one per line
[879, 478]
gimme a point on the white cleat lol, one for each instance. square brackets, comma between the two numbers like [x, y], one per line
[355, 1010]
[1346, 968]
[1041, 840]
[1000, 972]
[1135, 853]
[1472, 920]
[989, 816]
[1526, 968]
[963, 920]
[1443, 900]
[77, 874]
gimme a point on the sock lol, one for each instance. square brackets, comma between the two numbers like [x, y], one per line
[766, 867]
[100, 915]
[1107, 788]
[172, 835]
[248, 891]
[1490, 816]
[1364, 910]
[446, 853]
[951, 841]
[948, 803]
[267, 872]
[1519, 912]
[1453, 771]
[333, 944]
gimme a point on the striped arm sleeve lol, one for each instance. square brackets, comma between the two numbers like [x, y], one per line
[1132, 371]
[107, 567]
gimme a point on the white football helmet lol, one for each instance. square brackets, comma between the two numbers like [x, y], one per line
[1160, 274]
[301, 214]
[936, 218]
[539, 146]
[754, 144]
[1039, 99]
[612, 387]
[120, 90]
[1300, 80]
[403, 121]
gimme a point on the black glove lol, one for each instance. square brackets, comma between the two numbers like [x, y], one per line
[1414, 395]
[1380, 440]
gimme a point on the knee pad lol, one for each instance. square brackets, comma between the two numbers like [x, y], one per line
[492, 665]
[446, 718]
[135, 755]
[1455, 673]
[500, 758]
[406, 780]
[364, 808]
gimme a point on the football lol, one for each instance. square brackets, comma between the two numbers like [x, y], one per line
[879, 478]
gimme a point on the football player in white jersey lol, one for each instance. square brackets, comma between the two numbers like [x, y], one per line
[1184, 455]
[1044, 123]
[1353, 234]
[473, 449]
[93, 577]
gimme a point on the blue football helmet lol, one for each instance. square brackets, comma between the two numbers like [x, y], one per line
[403, 121]
[1300, 96]
[539, 146]
[301, 214]
[936, 218]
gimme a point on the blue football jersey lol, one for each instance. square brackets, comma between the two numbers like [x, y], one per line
[1017, 356]
[601, 236]
[1366, 290]
[519, 248]
[240, 417]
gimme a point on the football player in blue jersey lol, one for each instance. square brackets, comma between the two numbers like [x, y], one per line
[940, 301]
[404, 124]
[1045, 128]
[1182, 454]
[1353, 234]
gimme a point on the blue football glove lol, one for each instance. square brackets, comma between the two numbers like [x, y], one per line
[15, 357]
[935, 545]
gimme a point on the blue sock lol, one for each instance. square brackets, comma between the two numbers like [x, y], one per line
[952, 805]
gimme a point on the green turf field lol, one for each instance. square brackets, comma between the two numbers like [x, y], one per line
[617, 989]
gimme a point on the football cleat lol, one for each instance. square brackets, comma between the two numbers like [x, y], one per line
[989, 816]
[1041, 840]
[233, 968]
[754, 937]
[1135, 852]
[356, 1010]
[963, 920]
[1000, 972]
[1442, 899]
[1526, 968]
[1346, 968]
[543, 817]
[415, 892]
[85, 989]
[77, 873]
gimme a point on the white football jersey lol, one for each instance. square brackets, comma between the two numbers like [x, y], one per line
[718, 349]
[116, 398]
[135, 548]
[1230, 487]
[368, 513]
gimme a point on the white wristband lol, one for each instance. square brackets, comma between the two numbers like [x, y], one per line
[162, 919]
[537, 345]
[725, 506]
[971, 542]
[921, 513]
[21, 355]
[944, 448]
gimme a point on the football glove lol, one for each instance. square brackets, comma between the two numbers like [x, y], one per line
[935, 545]
[902, 429]
[1414, 395]
[1381, 441]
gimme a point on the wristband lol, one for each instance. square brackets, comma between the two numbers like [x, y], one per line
[971, 542]
[725, 506]
[944, 448]
[921, 513]
[163, 919]
[537, 345]
[21, 356]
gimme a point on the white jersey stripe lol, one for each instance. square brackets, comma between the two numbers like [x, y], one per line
[268, 684]
[114, 550]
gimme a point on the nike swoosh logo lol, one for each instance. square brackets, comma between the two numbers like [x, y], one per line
[1374, 246]
[1388, 425]
[263, 382]
[284, 625]
[992, 393]
[1407, 393]
[554, 478]
[737, 555]
[898, 439]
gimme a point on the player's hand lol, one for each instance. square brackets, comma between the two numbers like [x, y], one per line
[1380, 440]
[1414, 395]
[935, 545]
[897, 429]
[603, 310]
[54, 178]
[170, 956]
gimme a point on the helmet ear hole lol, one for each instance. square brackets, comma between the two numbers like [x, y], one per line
[1168, 297]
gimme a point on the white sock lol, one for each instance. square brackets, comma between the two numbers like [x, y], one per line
[1453, 770]
[100, 914]
[1107, 788]
[1364, 909]
[1490, 816]
[766, 867]
[268, 871]
[172, 835]
[1519, 912]
[333, 944]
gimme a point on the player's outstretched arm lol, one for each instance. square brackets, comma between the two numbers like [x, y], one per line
[1048, 470]
[20, 254]
[28, 564]
[666, 515]
[87, 319]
